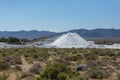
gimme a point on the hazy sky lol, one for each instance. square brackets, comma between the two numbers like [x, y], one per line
[58, 15]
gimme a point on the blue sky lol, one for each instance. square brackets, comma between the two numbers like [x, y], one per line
[58, 15]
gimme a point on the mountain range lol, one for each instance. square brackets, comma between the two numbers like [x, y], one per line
[26, 34]
[94, 33]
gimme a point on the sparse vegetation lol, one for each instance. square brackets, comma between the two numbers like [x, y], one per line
[59, 64]
[98, 73]
[4, 77]
[118, 76]
[35, 69]
[3, 65]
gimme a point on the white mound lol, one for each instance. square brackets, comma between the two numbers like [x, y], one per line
[114, 46]
[3, 45]
[70, 40]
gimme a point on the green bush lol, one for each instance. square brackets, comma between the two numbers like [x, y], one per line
[36, 56]
[62, 76]
[52, 72]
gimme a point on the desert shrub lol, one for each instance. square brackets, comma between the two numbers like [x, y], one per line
[26, 74]
[35, 69]
[43, 55]
[61, 61]
[4, 54]
[81, 77]
[36, 53]
[62, 76]
[119, 54]
[58, 71]
[74, 57]
[29, 60]
[118, 76]
[111, 53]
[78, 77]
[13, 59]
[98, 73]
[106, 60]
[90, 56]
[40, 78]
[38, 57]
[4, 65]
[35, 56]
[18, 61]
[94, 64]
[60, 51]
[18, 68]
[74, 51]
[52, 72]
[26, 55]
[4, 77]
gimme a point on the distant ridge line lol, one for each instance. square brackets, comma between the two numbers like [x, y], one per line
[93, 33]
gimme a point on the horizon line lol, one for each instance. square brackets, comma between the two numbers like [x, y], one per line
[55, 31]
